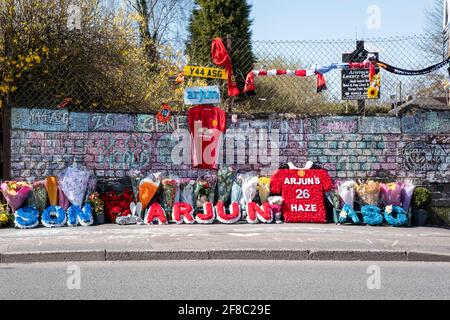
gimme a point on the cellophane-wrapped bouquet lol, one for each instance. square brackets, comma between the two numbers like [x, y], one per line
[249, 189]
[391, 194]
[63, 201]
[136, 177]
[187, 191]
[236, 190]
[51, 185]
[346, 191]
[148, 188]
[73, 181]
[15, 193]
[226, 176]
[212, 181]
[170, 191]
[407, 194]
[39, 198]
[369, 192]
[264, 188]
[202, 192]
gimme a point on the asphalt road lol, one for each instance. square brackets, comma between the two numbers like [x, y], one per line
[226, 280]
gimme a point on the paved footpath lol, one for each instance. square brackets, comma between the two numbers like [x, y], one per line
[111, 242]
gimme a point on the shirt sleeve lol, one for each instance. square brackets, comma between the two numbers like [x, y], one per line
[326, 181]
[276, 182]
[191, 119]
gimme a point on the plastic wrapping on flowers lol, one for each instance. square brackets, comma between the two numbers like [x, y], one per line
[212, 181]
[390, 194]
[39, 196]
[51, 185]
[369, 192]
[91, 185]
[15, 193]
[169, 194]
[226, 176]
[346, 191]
[263, 188]
[407, 194]
[135, 178]
[148, 188]
[187, 191]
[62, 200]
[202, 192]
[73, 181]
[236, 190]
[249, 189]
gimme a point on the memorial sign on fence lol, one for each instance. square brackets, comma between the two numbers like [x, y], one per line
[355, 83]
[202, 95]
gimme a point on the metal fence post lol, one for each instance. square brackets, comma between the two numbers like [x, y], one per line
[230, 50]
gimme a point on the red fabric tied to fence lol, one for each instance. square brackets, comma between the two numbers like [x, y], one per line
[221, 58]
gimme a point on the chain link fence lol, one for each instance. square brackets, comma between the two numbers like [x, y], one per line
[122, 82]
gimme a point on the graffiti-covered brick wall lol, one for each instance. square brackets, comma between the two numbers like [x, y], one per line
[415, 147]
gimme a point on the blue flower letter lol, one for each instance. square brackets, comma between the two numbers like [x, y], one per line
[76, 215]
[54, 217]
[26, 218]
[372, 215]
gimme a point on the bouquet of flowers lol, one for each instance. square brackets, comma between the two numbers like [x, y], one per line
[249, 189]
[51, 185]
[6, 218]
[236, 190]
[135, 177]
[346, 191]
[264, 188]
[169, 194]
[117, 204]
[97, 204]
[406, 195]
[391, 194]
[369, 192]
[187, 191]
[212, 181]
[276, 205]
[91, 186]
[73, 181]
[39, 198]
[226, 177]
[201, 193]
[15, 193]
[148, 188]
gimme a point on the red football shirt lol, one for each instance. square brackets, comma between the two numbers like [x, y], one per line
[303, 193]
[206, 125]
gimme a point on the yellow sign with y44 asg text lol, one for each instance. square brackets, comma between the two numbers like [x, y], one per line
[203, 72]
